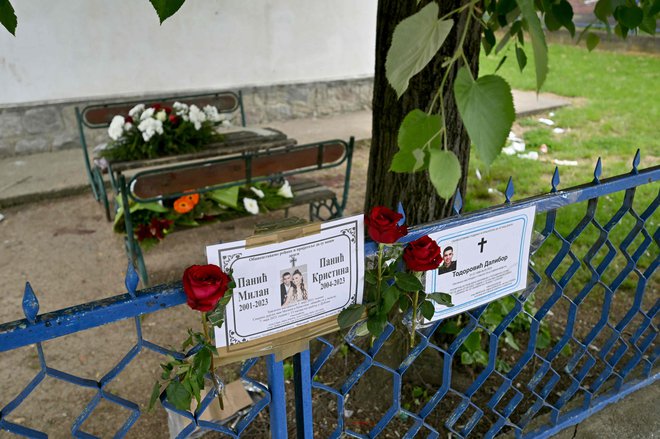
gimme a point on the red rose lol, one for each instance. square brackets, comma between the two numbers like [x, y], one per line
[156, 107]
[173, 119]
[128, 119]
[204, 286]
[382, 225]
[422, 254]
[168, 110]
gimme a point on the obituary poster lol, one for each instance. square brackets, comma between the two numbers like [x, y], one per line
[482, 261]
[288, 284]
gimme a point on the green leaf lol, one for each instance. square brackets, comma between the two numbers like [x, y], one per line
[226, 197]
[629, 16]
[538, 41]
[415, 42]
[486, 107]
[450, 327]
[444, 172]
[408, 282]
[543, 339]
[155, 393]
[178, 396]
[370, 277]
[480, 357]
[376, 324]
[390, 297]
[521, 57]
[488, 40]
[592, 41]
[202, 362]
[153, 206]
[428, 310]
[166, 8]
[441, 298]
[473, 342]
[419, 131]
[510, 340]
[349, 316]
[564, 13]
[404, 303]
[8, 16]
[466, 358]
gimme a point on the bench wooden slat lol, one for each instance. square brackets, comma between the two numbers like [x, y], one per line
[235, 169]
[97, 116]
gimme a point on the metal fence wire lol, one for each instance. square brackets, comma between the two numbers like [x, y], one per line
[580, 336]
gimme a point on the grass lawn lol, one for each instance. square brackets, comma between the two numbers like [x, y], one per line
[615, 111]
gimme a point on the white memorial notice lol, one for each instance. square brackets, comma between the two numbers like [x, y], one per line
[288, 284]
[482, 261]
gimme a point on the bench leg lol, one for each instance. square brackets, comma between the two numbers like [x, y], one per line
[324, 210]
[135, 257]
[100, 193]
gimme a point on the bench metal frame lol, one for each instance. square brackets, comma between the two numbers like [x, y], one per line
[99, 116]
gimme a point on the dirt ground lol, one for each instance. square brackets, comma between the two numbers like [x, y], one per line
[69, 254]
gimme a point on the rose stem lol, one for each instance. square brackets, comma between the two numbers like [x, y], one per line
[213, 377]
[414, 319]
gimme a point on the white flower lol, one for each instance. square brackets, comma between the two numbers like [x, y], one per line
[135, 111]
[161, 115]
[285, 190]
[197, 116]
[259, 192]
[128, 126]
[180, 109]
[146, 114]
[212, 113]
[116, 128]
[149, 127]
[251, 205]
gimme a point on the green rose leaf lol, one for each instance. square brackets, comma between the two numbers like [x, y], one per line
[415, 42]
[538, 41]
[376, 324]
[444, 172]
[441, 298]
[166, 8]
[428, 310]
[408, 282]
[349, 316]
[592, 41]
[178, 396]
[155, 393]
[390, 297]
[486, 107]
[8, 16]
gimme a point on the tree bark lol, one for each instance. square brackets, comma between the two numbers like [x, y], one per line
[415, 191]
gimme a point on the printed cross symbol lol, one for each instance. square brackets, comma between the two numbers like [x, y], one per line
[481, 245]
[293, 260]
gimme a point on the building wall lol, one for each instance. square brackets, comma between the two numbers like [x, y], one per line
[291, 58]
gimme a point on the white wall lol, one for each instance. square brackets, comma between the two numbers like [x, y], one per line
[74, 49]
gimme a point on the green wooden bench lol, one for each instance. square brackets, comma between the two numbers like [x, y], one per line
[99, 116]
[294, 162]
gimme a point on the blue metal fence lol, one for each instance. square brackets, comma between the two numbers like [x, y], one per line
[541, 390]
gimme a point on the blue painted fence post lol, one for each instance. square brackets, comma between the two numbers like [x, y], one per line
[303, 390]
[278, 398]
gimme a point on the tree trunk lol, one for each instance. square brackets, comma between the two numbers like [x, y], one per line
[415, 191]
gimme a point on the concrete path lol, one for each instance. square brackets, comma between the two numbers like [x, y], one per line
[31, 178]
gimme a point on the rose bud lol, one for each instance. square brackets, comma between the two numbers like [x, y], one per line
[422, 254]
[382, 225]
[204, 286]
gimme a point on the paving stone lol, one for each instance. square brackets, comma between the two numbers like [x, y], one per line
[42, 120]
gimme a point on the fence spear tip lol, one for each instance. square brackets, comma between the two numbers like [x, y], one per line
[555, 179]
[509, 190]
[30, 303]
[131, 280]
[598, 170]
[636, 161]
[458, 202]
